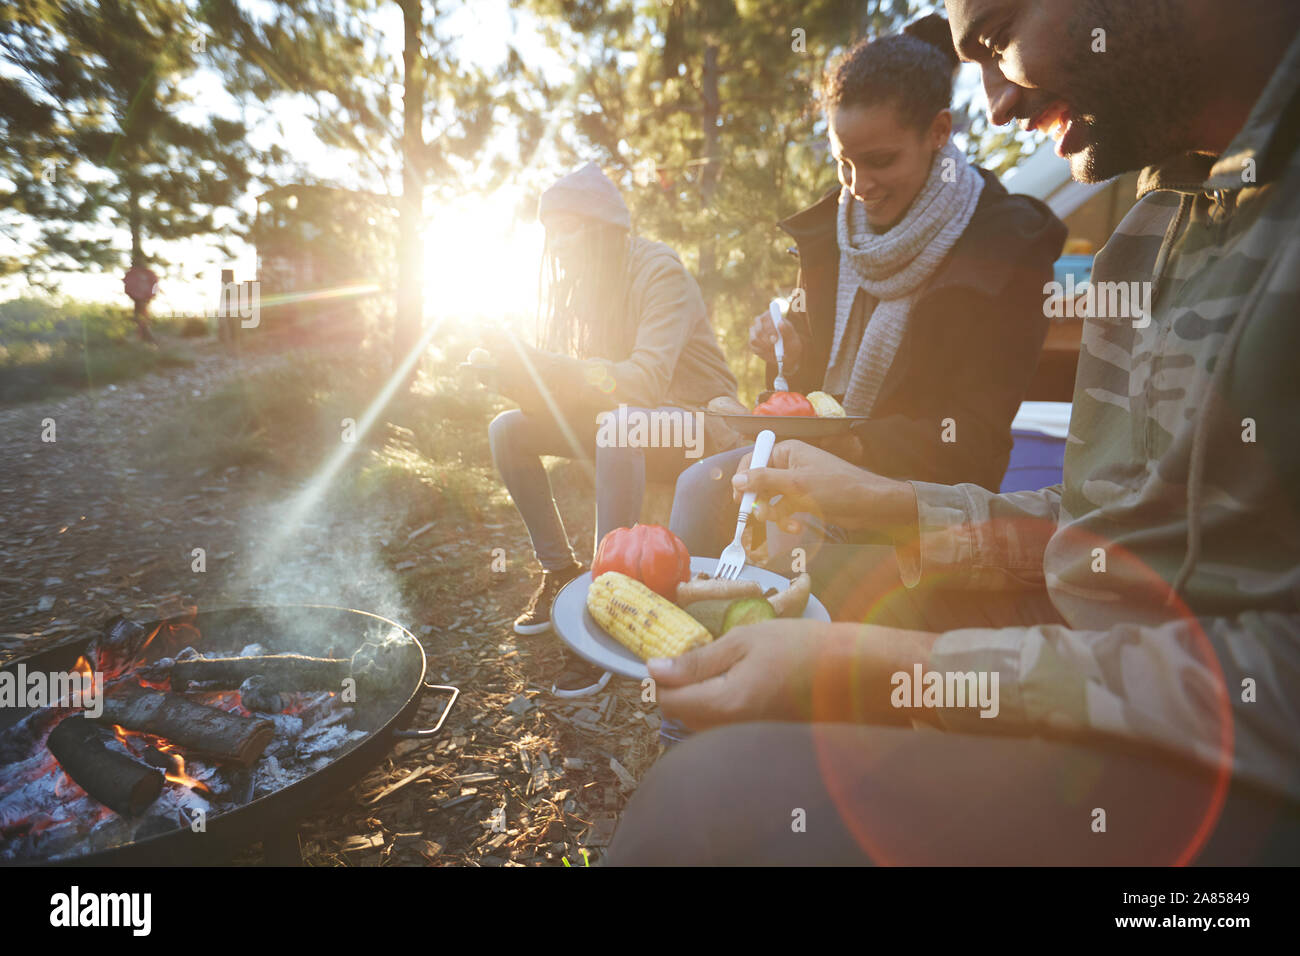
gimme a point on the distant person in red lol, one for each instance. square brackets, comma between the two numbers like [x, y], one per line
[141, 284]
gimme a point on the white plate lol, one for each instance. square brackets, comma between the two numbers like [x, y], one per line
[789, 426]
[577, 628]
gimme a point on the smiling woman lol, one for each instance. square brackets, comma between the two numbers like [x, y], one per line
[481, 259]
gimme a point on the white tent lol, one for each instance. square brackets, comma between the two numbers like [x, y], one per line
[1046, 176]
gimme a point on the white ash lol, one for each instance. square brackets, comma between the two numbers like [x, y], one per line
[17, 742]
[38, 822]
[270, 776]
[316, 741]
[287, 727]
[296, 751]
[26, 783]
[210, 775]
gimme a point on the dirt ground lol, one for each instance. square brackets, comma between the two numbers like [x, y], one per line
[93, 526]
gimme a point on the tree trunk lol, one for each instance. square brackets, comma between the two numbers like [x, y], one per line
[712, 109]
[133, 217]
[410, 252]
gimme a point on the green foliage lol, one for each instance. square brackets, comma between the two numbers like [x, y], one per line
[706, 113]
[28, 324]
[426, 456]
[50, 348]
[316, 238]
[94, 134]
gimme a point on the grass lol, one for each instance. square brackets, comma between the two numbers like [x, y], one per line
[50, 349]
[64, 371]
[289, 417]
[425, 460]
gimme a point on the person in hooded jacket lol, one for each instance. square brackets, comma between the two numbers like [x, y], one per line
[624, 331]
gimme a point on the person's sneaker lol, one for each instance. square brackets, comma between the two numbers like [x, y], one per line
[536, 618]
[580, 679]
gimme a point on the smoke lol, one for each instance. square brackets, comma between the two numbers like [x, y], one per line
[330, 557]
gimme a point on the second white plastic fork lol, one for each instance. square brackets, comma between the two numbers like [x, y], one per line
[779, 383]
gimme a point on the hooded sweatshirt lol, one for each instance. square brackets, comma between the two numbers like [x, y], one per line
[674, 358]
[1172, 548]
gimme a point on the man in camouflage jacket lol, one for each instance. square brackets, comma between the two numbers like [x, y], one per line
[1144, 615]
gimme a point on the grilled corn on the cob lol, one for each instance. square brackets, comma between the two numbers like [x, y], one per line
[641, 620]
[825, 406]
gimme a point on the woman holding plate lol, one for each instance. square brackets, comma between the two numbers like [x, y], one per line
[921, 281]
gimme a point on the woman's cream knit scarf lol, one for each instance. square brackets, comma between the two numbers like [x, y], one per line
[893, 267]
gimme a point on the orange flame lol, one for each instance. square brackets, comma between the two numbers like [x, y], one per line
[122, 734]
[83, 668]
[178, 775]
[183, 778]
[149, 640]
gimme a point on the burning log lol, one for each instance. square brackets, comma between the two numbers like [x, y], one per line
[205, 730]
[285, 672]
[119, 782]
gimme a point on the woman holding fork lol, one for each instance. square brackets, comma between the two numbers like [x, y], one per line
[921, 281]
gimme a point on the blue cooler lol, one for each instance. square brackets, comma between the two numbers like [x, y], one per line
[1073, 265]
[1038, 436]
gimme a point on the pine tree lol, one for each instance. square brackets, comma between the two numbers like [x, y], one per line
[98, 140]
[705, 112]
[427, 141]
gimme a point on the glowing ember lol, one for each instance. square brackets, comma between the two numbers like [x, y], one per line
[83, 668]
[45, 814]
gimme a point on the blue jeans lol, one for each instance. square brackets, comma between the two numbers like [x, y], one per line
[519, 439]
[704, 515]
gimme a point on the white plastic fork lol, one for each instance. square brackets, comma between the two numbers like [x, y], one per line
[779, 383]
[732, 560]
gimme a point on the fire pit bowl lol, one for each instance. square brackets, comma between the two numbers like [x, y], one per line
[249, 808]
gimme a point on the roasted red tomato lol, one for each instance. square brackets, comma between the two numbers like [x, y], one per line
[786, 403]
[648, 552]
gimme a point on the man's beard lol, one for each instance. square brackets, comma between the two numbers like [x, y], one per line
[1125, 141]
[1135, 113]
[1109, 152]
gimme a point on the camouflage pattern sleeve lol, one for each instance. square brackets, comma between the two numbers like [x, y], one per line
[971, 537]
[1217, 690]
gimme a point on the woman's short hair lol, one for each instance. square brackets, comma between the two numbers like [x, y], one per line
[913, 71]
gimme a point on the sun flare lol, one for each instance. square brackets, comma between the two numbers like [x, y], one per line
[481, 260]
